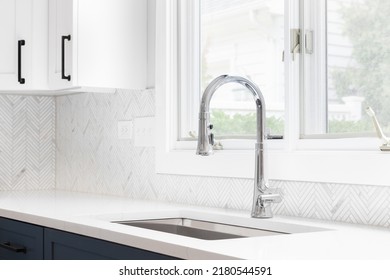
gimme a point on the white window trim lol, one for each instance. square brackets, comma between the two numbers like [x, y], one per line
[332, 160]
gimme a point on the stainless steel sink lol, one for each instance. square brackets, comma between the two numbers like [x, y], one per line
[199, 229]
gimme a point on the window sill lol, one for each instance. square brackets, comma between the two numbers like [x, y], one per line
[348, 167]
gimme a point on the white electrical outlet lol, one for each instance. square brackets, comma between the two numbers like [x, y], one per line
[125, 129]
[144, 132]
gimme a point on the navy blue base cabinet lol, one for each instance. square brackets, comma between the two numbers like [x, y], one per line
[61, 245]
[20, 241]
[24, 241]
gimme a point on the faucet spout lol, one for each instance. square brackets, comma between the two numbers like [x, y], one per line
[261, 197]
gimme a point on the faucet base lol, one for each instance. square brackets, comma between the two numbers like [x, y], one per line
[262, 212]
[262, 205]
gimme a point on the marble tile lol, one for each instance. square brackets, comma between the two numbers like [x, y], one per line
[90, 158]
[27, 142]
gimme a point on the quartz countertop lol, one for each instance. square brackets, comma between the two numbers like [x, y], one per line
[91, 215]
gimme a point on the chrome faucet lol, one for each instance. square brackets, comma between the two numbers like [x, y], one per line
[262, 197]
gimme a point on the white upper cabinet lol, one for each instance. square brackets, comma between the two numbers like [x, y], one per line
[23, 48]
[98, 44]
[57, 46]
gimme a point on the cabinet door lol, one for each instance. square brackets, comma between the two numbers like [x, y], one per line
[107, 47]
[20, 241]
[61, 245]
[61, 44]
[15, 34]
[112, 43]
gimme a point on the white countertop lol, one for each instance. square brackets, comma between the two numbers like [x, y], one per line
[91, 215]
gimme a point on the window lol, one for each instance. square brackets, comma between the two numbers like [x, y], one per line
[347, 67]
[343, 68]
[320, 89]
[233, 37]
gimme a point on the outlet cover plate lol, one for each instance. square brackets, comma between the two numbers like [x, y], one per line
[144, 132]
[125, 129]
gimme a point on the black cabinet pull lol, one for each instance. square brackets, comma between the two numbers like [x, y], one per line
[20, 44]
[63, 57]
[13, 247]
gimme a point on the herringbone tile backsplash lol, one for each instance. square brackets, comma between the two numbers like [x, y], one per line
[90, 158]
[27, 142]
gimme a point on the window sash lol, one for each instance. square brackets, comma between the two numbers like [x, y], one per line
[313, 69]
[188, 39]
[312, 73]
[189, 73]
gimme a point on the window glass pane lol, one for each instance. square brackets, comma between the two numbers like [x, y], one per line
[241, 37]
[358, 64]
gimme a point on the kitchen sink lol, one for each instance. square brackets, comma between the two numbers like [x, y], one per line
[205, 230]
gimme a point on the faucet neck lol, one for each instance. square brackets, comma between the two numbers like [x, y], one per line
[253, 88]
[261, 200]
[206, 138]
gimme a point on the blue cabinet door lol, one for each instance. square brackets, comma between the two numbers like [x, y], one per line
[60, 245]
[20, 241]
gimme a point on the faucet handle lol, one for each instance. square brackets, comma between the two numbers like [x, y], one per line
[270, 198]
[263, 206]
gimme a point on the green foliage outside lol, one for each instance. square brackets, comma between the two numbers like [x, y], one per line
[242, 124]
[367, 26]
[350, 126]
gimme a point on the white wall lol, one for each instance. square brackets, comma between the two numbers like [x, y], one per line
[151, 42]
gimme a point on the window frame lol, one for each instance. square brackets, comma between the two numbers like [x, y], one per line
[346, 160]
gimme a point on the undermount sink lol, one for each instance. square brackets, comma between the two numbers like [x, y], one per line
[205, 230]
